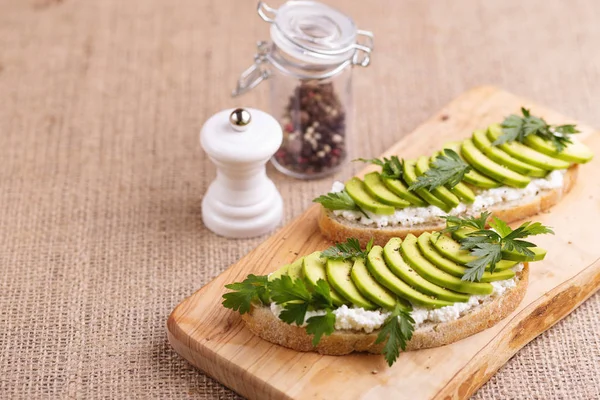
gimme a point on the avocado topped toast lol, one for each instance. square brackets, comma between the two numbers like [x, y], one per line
[515, 169]
[411, 293]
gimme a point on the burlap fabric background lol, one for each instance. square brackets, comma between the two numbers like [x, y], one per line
[101, 175]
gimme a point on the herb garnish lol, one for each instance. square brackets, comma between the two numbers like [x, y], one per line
[454, 223]
[251, 290]
[487, 244]
[397, 330]
[390, 167]
[448, 169]
[518, 128]
[338, 201]
[294, 295]
[347, 251]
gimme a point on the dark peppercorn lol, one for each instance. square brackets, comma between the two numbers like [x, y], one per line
[314, 130]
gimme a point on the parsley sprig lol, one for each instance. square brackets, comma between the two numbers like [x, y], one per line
[454, 223]
[338, 201]
[253, 289]
[447, 169]
[397, 330]
[294, 295]
[390, 167]
[518, 128]
[487, 244]
[349, 250]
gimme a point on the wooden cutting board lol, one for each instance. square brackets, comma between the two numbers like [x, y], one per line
[215, 340]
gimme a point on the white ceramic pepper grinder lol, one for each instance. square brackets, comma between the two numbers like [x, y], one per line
[242, 201]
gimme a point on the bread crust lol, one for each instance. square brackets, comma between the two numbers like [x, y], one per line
[338, 229]
[262, 322]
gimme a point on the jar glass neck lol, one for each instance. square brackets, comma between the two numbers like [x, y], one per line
[301, 69]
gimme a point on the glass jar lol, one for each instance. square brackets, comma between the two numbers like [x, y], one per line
[309, 63]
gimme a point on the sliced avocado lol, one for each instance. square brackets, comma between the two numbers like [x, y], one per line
[295, 269]
[410, 176]
[279, 273]
[462, 191]
[356, 189]
[338, 275]
[441, 192]
[483, 164]
[314, 270]
[482, 142]
[527, 154]
[401, 190]
[375, 187]
[473, 176]
[574, 152]
[393, 269]
[412, 255]
[369, 287]
[451, 249]
[453, 268]
[512, 255]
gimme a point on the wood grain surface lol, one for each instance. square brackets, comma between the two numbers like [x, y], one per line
[214, 339]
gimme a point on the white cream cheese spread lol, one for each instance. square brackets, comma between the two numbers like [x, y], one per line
[359, 319]
[484, 199]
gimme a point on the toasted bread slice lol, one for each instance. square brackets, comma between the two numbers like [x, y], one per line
[262, 322]
[338, 229]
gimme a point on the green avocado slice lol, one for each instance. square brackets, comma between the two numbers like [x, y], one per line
[369, 287]
[338, 274]
[382, 272]
[279, 273]
[314, 270]
[399, 269]
[412, 255]
[401, 190]
[462, 191]
[512, 255]
[453, 268]
[375, 187]
[482, 142]
[473, 177]
[574, 152]
[442, 192]
[527, 154]
[451, 249]
[295, 269]
[411, 176]
[481, 162]
[356, 189]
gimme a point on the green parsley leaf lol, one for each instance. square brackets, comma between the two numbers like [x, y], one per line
[487, 245]
[294, 312]
[253, 289]
[454, 223]
[448, 169]
[518, 128]
[500, 226]
[320, 325]
[286, 289]
[488, 254]
[347, 251]
[390, 167]
[321, 296]
[396, 331]
[338, 201]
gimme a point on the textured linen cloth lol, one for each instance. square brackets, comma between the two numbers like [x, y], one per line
[101, 174]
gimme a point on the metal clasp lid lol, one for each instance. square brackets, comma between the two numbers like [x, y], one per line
[256, 73]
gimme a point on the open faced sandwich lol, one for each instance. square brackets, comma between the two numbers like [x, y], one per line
[515, 170]
[418, 292]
